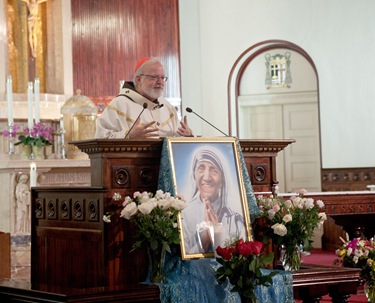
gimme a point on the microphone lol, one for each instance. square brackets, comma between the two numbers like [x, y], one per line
[189, 110]
[144, 107]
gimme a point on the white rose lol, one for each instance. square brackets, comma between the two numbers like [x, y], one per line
[178, 204]
[146, 207]
[279, 229]
[320, 203]
[309, 203]
[159, 194]
[144, 197]
[129, 210]
[127, 200]
[162, 203]
[287, 218]
[271, 214]
[297, 202]
[288, 204]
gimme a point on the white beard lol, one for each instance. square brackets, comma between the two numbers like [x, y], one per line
[151, 92]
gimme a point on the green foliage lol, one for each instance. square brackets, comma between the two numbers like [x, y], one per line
[290, 221]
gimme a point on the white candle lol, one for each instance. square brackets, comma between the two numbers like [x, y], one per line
[219, 235]
[37, 99]
[61, 121]
[32, 174]
[121, 82]
[30, 113]
[10, 99]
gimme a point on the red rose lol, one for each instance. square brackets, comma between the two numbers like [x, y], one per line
[225, 253]
[249, 248]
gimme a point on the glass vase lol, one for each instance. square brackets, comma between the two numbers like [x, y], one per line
[369, 289]
[156, 264]
[290, 257]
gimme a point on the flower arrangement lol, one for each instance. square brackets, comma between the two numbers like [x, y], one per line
[241, 263]
[12, 133]
[358, 253]
[39, 135]
[156, 219]
[290, 223]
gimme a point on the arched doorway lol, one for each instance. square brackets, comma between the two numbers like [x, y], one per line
[259, 113]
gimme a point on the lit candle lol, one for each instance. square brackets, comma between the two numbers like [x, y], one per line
[32, 174]
[30, 105]
[10, 99]
[61, 121]
[219, 235]
[37, 100]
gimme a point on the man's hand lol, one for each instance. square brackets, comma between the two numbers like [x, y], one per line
[143, 131]
[184, 130]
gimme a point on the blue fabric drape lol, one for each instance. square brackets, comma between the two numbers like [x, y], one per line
[194, 280]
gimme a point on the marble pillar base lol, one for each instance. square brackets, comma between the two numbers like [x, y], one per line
[21, 257]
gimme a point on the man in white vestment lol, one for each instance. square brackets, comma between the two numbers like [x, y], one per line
[140, 110]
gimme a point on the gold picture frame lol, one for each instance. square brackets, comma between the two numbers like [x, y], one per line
[207, 174]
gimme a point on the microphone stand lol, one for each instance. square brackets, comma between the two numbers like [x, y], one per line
[144, 107]
[189, 110]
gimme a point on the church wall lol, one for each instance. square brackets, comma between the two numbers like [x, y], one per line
[339, 42]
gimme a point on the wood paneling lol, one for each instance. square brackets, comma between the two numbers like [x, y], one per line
[347, 179]
[110, 36]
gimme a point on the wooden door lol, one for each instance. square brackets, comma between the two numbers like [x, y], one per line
[298, 166]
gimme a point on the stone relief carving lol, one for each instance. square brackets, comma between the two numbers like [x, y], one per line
[22, 205]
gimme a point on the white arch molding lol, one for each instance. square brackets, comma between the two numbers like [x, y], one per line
[297, 168]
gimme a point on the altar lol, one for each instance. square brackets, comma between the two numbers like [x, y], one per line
[68, 221]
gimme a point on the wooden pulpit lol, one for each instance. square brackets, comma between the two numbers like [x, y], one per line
[71, 244]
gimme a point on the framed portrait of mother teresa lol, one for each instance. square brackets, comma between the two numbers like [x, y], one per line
[207, 174]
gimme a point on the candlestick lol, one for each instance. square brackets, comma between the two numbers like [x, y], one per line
[30, 121]
[32, 174]
[61, 121]
[11, 138]
[10, 99]
[37, 99]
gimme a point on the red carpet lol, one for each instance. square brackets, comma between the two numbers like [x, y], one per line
[323, 257]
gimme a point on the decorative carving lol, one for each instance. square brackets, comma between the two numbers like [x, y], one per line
[65, 210]
[78, 211]
[22, 206]
[259, 173]
[121, 176]
[51, 210]
[146, 176]
[93, 210]
[347, 179]
[39, 208]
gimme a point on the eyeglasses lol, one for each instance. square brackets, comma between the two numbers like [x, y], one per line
[156, 78]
